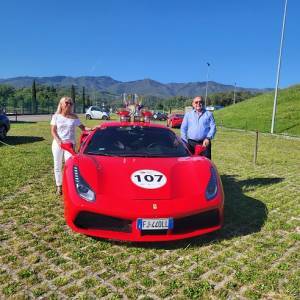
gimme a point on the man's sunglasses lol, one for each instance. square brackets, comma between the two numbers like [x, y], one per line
[198, 102]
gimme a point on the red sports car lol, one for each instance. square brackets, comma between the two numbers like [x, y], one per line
[175, 120]
[137, 181]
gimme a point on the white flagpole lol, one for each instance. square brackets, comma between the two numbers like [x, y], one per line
[278, 69]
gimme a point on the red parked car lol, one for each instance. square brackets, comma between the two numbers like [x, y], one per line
[175, 120]
[137, 181]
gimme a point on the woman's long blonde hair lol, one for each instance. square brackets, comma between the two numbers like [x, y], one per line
[63, 99]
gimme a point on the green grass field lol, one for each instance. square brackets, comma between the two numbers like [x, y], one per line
[255, 255]
[256, 113]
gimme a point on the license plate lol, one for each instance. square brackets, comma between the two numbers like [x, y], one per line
[155, 224]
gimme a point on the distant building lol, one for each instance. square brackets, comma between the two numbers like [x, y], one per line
[213, 108]
[209, 108]
[188, 108]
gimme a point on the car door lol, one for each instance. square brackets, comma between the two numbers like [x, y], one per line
[96, 113]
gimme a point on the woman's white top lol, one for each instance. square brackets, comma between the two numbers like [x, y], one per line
[65, 127]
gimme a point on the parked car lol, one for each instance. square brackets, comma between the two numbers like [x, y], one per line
[128, 182]
[4, 126]
[94, 112]
[213, 108]
[159, 116]
[175, 120]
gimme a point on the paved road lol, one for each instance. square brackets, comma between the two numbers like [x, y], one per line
[31, 118]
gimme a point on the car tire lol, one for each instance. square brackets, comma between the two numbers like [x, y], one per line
[88, 117]
[3, 132]
[104, 118]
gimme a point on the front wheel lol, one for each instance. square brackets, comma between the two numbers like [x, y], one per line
[104, 117]
[88, 117]
[3, 132]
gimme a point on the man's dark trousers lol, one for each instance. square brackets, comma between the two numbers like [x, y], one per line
[193, 143]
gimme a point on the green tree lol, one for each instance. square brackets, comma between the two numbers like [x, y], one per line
[73, 96]
[88, 101]
[53, 98]
[13, 103]
[34, 101]
[6, 92]
[83, 99]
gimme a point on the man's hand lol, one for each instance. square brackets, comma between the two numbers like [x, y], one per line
[206, 142]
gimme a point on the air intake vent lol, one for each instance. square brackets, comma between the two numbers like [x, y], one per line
[89, 220]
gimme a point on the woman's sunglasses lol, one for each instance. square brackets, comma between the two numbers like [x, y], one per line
[68, 103]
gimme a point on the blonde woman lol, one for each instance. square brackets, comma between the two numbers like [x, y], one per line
[63, 125]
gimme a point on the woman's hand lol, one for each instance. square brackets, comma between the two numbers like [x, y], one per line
[55, 135]
[58, 141]
[90, 129]
[84, 128]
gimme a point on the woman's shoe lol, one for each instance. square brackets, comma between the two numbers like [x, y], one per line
[59, 190]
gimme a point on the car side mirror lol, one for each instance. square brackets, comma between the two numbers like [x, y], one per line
[68, 147]
[199, 149]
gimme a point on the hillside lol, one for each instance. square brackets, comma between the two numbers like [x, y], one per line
[145, 87]
[256, 113]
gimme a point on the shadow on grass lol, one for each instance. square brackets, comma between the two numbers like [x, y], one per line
[290, 127]
[22, 122]
[243, 215]
[18, 140]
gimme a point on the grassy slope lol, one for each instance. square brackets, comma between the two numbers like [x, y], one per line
[256, 113]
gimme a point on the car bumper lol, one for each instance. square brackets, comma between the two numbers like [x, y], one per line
[127, 230]
[121, 224]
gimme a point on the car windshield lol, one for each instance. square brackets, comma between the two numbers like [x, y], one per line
[95, 109]
[136, 141]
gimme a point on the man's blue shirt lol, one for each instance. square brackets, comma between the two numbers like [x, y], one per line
[196, 126]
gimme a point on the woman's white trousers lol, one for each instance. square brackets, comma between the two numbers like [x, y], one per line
[58, 155]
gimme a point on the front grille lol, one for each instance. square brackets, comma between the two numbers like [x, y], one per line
[195, 222]
[89, 220]
[153, 232]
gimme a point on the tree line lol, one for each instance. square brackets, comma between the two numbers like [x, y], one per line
[40, 98]
[180, 102]
[44, 99]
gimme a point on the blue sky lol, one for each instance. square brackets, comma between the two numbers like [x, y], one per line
[165, 40]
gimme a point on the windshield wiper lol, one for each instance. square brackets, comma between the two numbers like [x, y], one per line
[148, 155]
[132, 155]
[99, 153]
[161, 155]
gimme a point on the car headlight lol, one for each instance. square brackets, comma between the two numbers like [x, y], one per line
[212, 187]
[83, 189]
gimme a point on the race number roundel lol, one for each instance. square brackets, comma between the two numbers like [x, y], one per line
[148, 179]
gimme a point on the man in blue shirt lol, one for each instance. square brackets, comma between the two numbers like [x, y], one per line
[198, 127]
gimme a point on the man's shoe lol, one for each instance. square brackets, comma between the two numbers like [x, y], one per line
[59, 190]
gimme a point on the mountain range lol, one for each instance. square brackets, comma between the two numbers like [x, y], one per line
[145, 87]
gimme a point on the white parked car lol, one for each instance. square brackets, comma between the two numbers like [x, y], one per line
[94, 112]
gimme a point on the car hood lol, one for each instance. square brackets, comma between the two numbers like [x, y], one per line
[117, 177]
